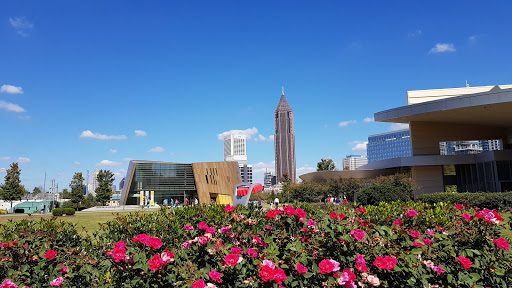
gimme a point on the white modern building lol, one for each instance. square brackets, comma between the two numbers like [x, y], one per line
[267, 179]
[91, 187]
[352, 162]
[235, 150]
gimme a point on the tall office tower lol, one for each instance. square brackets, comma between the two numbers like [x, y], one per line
[94, 183]
[352, 162]
[284, 140]
[235, 150]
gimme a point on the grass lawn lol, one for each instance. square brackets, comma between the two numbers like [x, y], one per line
[86, 222]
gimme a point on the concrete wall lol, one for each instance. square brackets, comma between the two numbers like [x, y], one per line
[428, 178]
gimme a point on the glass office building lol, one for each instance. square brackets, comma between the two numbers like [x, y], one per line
[389, 145]
[167, 180]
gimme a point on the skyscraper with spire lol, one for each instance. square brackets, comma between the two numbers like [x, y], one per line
[284, 140]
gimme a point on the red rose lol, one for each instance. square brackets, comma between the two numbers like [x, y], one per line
[155, 263]
[361, 210]
[459, 206]
[501, 243]
[154, 242]
[50, 254]
[333, 215]
[301, 213]
[231, 259]
[466, 263]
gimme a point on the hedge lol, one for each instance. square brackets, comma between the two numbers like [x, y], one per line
[377, 193]
[495, 200]
[62, 211]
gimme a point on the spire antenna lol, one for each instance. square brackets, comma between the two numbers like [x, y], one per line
[283, 89]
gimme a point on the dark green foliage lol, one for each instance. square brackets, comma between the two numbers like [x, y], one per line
[63, 211]
[65, 194]
[77, 189]
[104, 191]
[495, 201]
[12, 189]
[57, 211]
[377, 193]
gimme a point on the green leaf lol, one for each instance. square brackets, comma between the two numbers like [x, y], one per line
[416, 251]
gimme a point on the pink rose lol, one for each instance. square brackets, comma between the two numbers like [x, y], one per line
[358, 234]
[301, 213]
[215, 276]
[289, 210]
[57, 282]
[167, 256]
[387, 262]
[185, 245]
[225, 230]
[279, 275]
[199, 284]
[398, 222]
[416, 244]
[188, 227]
[154, 242]
[373, 280]
[8, 284]
[430, 232]
[229, 208]
[211, 230]
[466, 262]
[466, 216]
[155, 263]
[252, 252]
[202, 226]
[202, 240]
[328, 266]
[501, 243]
[428, 263]
[438, 269]
[64, 269]
[141, 238]
[411, 213]
[237, 251]
[50, 254]
[426, 241]
[232, 259]
[361, 210]
[459, 206]
[414, 234]
[301, 269]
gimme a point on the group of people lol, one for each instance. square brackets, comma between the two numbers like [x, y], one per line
[333, 200]
[175, 203]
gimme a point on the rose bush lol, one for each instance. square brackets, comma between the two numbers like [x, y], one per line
[389, 245]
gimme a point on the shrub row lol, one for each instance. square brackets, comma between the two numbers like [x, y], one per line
[495, 201]
[63, 211]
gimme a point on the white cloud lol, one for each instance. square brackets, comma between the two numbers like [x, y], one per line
[3, 170]
[156, 149]
[9, 89]
[262, 167]
[443, 47]
[360, 146]
[140, 133]
[76, 163]
[113, 151]
[127, 159]
[416, 33]
[119, 174]
[305, 169]
[247, 132]
[11, 107]
[24, 160]
[368, 119]
[109, 163]
[398, 126]
[4, 158]
[20, 23]
[263, 138]
[346, 123]
[89, 134]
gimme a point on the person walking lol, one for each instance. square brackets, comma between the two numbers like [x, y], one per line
[172, 203]
[276, 201]
[196, 201]
[187, 202]
[42, 208]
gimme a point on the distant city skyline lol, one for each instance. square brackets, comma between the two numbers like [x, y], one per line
[83, 87]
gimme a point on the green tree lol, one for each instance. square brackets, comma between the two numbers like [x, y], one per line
[105, 179]
[77, 189]
[12, 189]
[326, 165]
[65, 194]
[89, 201]
[36, 191]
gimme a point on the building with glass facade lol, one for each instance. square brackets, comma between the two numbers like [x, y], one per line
[159, 181]
[388, 145]
[435, 116]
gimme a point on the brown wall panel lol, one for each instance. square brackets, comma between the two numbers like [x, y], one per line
[215, 178]
[425, 136]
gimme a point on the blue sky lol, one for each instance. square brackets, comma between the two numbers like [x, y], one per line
[79, 78]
